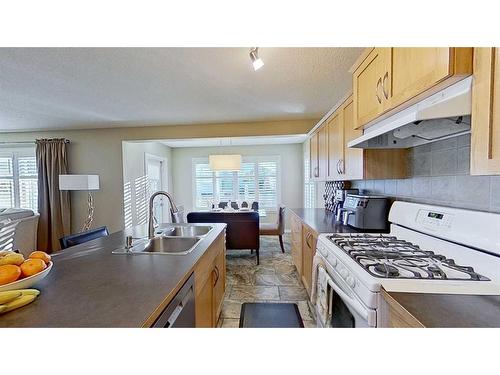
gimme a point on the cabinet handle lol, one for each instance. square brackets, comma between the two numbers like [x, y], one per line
[316, 172]
[386, 93]
[379, 82]
[341, 166]
[308, 237]
[216, 270]
[338, 167]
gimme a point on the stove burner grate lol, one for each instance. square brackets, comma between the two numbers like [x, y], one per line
[389, 257]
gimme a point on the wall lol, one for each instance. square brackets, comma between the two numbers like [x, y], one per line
[440, 175]
[99, 151]
[291, 170]
[134, 178]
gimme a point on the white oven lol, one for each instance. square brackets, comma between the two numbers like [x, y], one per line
[346, 310]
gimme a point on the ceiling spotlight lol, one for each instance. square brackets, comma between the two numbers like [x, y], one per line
[256, 61]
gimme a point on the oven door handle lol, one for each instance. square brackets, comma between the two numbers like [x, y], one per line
[349, 300]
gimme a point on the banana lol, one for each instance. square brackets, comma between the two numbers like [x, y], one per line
[18, 302]
[6, 297]
[29, 292]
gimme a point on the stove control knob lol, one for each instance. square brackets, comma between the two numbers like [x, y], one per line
[350, 281]
[344, 273]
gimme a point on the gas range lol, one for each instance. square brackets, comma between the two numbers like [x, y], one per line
[429, 249]
[386, 256]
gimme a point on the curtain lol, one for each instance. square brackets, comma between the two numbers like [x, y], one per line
[53, 205]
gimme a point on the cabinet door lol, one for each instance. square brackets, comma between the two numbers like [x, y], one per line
[415, 70]
[353, 157]
[297, 242]
[308, 250]
[335, 145]
[219, 284]
[204, 305]
[371, 86]
[313, 156]
[323, 152]
[485, 142]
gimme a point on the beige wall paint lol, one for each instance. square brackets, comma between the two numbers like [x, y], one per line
[99, 151]
[291, 170]
[134, 174]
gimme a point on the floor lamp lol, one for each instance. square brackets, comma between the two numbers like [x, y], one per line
[81, 182]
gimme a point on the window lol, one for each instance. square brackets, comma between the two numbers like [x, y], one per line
[18, 179]
[309, 186]
[258, 180]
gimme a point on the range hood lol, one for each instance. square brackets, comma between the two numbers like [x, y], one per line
[443, 115]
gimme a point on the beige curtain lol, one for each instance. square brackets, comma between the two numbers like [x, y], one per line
[53, 204]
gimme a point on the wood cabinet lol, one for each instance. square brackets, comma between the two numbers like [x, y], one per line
[296, 246]
[210, 283]
[392, 315]
[386, 78]
[346, 163]
[371, 85]
[323, 152]
[485, 140]
[309, 239]
[314, 156]
[335, 126]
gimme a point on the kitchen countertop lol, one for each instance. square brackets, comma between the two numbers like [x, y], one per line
[91, 287]
[322, 221]
[451, 310]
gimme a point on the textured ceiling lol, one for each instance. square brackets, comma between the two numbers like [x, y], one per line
[75, 88]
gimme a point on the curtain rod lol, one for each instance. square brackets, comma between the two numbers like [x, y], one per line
[26, 142]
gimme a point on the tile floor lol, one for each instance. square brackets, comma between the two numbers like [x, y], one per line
[274, 280]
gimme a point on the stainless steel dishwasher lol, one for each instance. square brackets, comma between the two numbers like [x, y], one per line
[180, 312]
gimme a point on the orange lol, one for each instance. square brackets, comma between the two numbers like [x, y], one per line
[9, 273]
[31, 267]
[40, 255]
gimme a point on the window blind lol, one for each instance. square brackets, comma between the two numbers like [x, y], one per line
[18, 181]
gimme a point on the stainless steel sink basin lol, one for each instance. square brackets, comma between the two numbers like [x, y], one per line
[162, 245]
[170, 245]
[186, 231]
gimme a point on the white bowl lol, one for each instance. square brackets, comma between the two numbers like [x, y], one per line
[27, 282]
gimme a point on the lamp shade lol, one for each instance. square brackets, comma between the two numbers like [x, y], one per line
[78, 182]
[224, 162]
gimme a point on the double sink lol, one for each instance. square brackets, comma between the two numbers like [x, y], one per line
[169, 239]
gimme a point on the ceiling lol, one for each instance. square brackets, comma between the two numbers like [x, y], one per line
[76, 88]
[235, 141]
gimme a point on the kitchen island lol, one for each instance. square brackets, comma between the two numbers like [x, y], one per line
[91, 287]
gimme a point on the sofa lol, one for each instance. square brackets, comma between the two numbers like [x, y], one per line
[18, 229]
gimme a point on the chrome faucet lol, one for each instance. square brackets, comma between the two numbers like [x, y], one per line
[173, 209]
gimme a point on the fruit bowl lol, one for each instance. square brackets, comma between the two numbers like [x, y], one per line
[27, 282]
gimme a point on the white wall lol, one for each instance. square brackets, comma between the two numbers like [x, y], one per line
[134, 177]
[291, 170]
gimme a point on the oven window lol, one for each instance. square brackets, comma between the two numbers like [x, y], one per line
[341, 316]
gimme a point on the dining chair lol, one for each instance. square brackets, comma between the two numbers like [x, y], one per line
[255, 206]
[79, 238]
[275, 229]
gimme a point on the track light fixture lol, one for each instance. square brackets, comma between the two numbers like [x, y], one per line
[256, 61]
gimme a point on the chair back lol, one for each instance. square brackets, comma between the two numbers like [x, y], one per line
[242, 231]
[79, 238]
[281, 219]
[255, 206]
[222, 204]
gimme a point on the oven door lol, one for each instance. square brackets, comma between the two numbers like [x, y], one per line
[347, 310]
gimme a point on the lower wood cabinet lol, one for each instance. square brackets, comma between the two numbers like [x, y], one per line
[485, 140]
[392, 315]
[210, 283]
[309, 239]
[296, 224]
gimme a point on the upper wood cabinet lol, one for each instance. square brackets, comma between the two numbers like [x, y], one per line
[353, 157]
[485, 141]
[388, 77]
[335, 127]
[313, 157]
[323, 152]
[371, 85]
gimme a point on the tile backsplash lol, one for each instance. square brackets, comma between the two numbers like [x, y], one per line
[439, 174]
